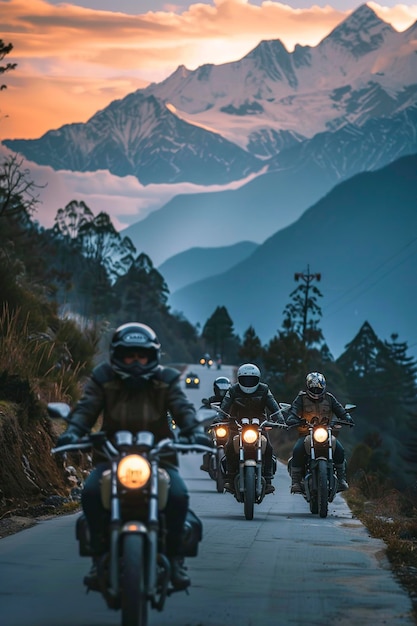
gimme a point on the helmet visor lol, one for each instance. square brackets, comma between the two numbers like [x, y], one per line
[248, 381]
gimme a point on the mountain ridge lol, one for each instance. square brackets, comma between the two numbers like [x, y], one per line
[360, 237]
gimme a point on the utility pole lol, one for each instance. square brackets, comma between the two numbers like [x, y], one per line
[307, 278]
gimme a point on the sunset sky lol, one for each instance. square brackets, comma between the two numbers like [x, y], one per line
[74, 58]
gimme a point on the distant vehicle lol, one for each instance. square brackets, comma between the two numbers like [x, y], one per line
[192, 381]
[206, 360]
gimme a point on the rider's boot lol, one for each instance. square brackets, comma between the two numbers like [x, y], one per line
[229, 483]
[269, 487]
[91, 579]
[205, 466]
[179, 578]
[296, 476]
[342, 484]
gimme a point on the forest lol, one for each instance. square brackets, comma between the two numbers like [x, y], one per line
[64, 290]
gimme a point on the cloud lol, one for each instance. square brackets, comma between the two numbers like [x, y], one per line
[125, 200]
[73, 61]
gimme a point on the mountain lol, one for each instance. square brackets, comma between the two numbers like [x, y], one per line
[361, 70]
[199, 263]
[139, 136]
[302, 175]
[361, 237]
[217, 124]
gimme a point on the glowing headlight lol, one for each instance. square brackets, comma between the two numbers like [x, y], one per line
[320, 435]
[250, 436]
[221, 432]
[133, 471]
[196, 381]
[188, 380]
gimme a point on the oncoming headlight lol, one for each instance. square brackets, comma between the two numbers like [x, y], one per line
[221, 432]
[133, 471]
[250, 436]
[320, 435]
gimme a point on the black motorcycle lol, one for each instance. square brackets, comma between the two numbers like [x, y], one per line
[134, 573]
[319, 485]
[219, 434]
[250, 445]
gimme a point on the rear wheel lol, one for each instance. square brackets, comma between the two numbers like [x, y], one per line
[249, 492]
[322, 488]
[134, 600]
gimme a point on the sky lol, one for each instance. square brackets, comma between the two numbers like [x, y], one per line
[74, 58]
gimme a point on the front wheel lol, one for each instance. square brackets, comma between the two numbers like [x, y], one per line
[322, 488]
[134, 597]
[249, 491]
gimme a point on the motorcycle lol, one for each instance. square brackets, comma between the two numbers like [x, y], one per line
[219, 434]
[250, 445]
[206, 360]
[134, 573]
[319, 485]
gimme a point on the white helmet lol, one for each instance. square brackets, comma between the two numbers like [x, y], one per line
[248, 377]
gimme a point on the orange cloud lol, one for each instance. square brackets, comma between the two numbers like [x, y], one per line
[73, 61]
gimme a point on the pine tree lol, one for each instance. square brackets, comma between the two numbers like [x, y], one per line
[251, 350]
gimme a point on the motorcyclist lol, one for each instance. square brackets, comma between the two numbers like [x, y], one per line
[315, 400]
[134, 392]
[220, 386]
[249, 398]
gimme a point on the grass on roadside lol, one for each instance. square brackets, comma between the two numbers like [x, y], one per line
[392, 517]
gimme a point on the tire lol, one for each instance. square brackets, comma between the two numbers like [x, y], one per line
[322, 488]
[213, 470]
[314, 505]
[249, 492]
[219, 475]
[133, 586]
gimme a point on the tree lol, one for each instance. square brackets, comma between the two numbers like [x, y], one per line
[303, 314]
[103, 244]
[251, 350]
[142, 292]
[70, 219]
[18, 197]
[4, 50]
[218, 330]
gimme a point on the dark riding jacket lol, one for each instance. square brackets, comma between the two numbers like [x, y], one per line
[305, 408]
[134, 406]
[258, 404]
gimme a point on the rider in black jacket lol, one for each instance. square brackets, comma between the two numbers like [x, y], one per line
[315, 401]
[249, 398]
[220, 386]
[134, 392]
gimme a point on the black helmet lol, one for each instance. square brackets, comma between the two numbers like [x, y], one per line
[315, 385]
[221, 385]
[134, 337]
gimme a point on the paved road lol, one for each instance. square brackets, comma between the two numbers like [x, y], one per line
[285, 567]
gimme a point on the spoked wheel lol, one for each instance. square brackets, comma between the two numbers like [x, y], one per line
[134, 600]
[322, 488]
[249, 492]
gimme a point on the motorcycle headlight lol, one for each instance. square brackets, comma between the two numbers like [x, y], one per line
[188, 380]
[250, 436]
[320, 435]
[133, 471]
[221, 432]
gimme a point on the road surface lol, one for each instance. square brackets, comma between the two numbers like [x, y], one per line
[285, 567]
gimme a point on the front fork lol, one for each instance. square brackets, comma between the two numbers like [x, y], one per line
[257, 462]
[310, 482]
